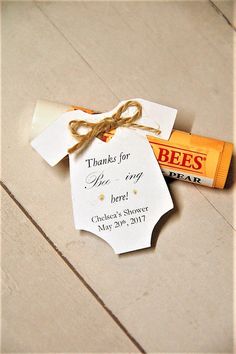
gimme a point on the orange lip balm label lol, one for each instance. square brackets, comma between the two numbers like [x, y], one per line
[185, 156]
[192, 158]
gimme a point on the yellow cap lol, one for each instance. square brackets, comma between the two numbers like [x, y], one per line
[223, 166]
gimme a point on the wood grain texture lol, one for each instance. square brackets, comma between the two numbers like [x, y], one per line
[44, 306]
[176, 297]
[227, 7]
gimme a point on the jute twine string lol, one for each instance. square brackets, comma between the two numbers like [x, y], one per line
[97, 129]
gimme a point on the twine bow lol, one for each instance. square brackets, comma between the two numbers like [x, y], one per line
[97, 129]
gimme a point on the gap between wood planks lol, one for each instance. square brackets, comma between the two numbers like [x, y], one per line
[232, 227]
[74, 270]
[219, 12]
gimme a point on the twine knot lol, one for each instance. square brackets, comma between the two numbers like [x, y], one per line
[97, 129]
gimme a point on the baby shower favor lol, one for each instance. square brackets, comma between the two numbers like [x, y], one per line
[115, 195]
[187, 157]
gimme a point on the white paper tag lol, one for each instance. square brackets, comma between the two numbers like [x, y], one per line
[118, 191]
[53, 142]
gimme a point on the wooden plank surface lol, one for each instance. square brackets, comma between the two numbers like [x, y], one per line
[45, 308]
[177, 296]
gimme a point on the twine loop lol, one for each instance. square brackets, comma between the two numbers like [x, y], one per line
[97, 129]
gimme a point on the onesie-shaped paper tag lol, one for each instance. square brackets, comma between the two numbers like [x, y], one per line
[118, 190]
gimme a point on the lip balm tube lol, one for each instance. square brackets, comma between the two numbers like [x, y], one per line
[185, 156]
[46, 112]
[192, 158]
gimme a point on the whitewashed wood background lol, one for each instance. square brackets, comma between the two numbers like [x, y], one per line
[65, 291]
